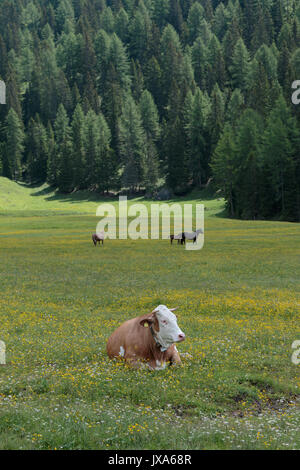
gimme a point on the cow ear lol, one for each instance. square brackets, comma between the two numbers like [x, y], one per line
[173, 309]
[146, 322]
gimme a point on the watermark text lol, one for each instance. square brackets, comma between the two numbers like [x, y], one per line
[2, 353]
[154, 221]
[2, 92]
[296, 93]
[296, 353]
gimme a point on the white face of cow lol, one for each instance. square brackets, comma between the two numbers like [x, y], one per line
[169, 331]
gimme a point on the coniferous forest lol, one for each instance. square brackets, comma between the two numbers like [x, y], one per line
[105, 95]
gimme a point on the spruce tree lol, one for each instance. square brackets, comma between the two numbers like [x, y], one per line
[77, 136]
[197, 110]
[224, 167]
[194, 20]
[280, 150]
[132, 145]
[51, 163]
[63, 151]
[14, 144]
[248, 139]
[240, 67]
[37, 151]
[150, 122]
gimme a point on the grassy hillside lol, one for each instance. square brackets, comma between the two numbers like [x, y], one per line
[20, 198]
[24, 200]
[61, 298]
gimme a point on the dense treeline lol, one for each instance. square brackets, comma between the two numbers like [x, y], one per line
[111, 94]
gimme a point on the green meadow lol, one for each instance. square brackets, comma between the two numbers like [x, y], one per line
[61, 298]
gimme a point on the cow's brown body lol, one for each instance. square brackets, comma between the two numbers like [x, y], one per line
[137, 345]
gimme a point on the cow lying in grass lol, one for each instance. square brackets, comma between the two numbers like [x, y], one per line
[148, 339]
[97, 238]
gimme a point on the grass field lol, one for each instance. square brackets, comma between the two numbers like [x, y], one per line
[61, 298]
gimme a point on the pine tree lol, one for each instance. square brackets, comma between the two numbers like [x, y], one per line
[259, 89]
[235, 107]
[14, 144]
[65, 173]
[69, 51]
[137, 80]
[230, 39]
[161, 10]
[153, 81]
[217, 71]
[119, 60]
[140, 32]
[248, 138]
[278, 15]
[250, 16]
[132, 145]
[150, 122]
[91, 147]
[285, 73]
[285, 37]
[200, 63]
[63, 151]
[3, 56]
[37, 151]
[77, 136]
[175, 142]
[121, 25]
[220, 21]
[295, 63]
[197, 110]
[266, 56]
[177, 168]
[263, 31]
[106, 169]
[224, 167]
[217, 115]
[194, 20]
[240, 67]
[175, 15]
[170, 61]
[108, 20]
[280, 150]
[64, 12]
[51, 163]
[12, 91]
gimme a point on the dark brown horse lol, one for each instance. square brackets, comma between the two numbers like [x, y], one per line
[97, 238]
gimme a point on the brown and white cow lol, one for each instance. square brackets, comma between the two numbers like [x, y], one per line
[148, 339]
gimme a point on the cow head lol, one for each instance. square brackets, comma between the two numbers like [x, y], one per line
[164, 324]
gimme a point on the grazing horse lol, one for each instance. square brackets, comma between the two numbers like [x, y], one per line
[178, 237]
[98, 237]
[191, 236]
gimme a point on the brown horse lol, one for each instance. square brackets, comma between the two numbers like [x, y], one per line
[97, 238]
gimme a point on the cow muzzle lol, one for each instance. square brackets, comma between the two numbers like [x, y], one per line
[181, 337]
